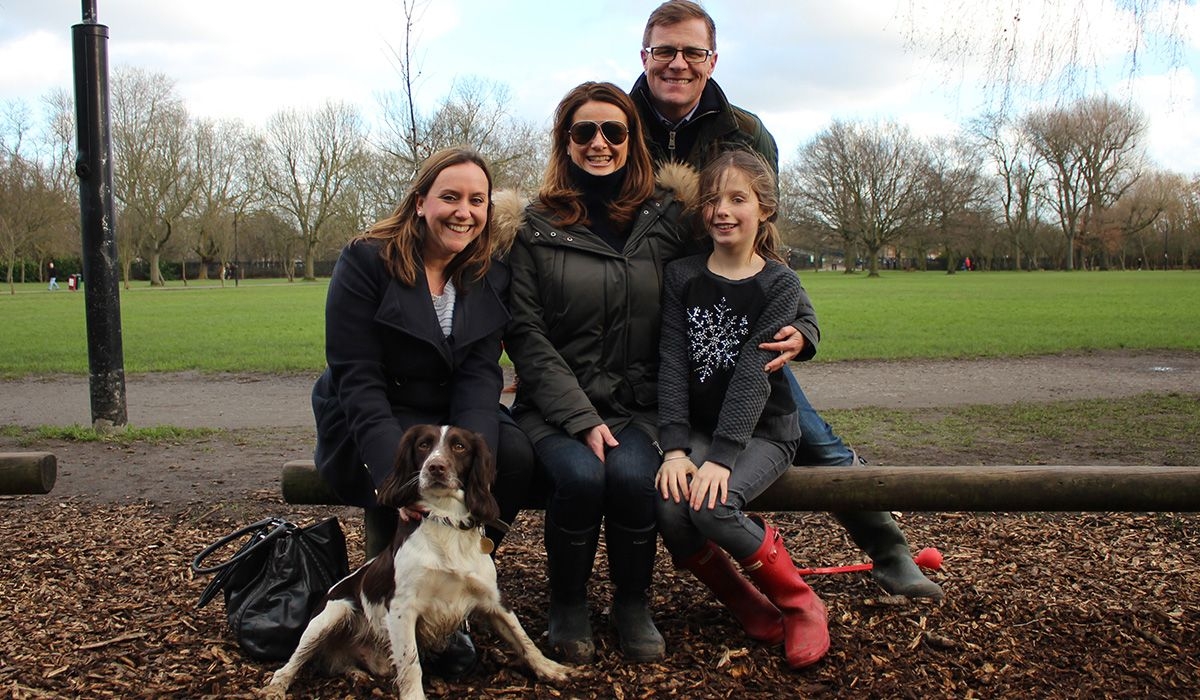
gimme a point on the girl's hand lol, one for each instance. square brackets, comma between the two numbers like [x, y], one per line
[598, 438]
[710, 483]
[672, 478]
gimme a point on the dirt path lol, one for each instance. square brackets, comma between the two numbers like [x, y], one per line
[237, 401]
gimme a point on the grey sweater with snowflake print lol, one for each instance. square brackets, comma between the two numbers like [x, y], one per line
[711, 376]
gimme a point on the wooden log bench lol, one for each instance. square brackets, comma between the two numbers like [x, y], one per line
[27, 473]
[979, 488]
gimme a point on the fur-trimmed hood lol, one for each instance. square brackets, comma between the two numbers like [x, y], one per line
[508, 206]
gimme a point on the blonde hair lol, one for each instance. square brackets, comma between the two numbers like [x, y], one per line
[767, 240]
[403, 233]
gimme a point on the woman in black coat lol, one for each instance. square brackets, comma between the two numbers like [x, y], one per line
[413, 323]
[413, 320]
[587, 263]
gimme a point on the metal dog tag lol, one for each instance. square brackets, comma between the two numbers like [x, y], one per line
[486, 545]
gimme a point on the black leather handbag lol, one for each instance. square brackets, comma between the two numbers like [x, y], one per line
[274, 581]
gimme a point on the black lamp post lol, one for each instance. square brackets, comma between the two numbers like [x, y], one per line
[93, 166]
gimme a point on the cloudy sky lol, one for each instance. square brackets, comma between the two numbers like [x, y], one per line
[797, 63]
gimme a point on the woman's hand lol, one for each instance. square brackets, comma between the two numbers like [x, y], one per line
[788, 343]
[598, 438]
[672, 477]
[410, 513]
[710, 483]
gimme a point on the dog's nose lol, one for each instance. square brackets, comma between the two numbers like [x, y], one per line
[437, 468]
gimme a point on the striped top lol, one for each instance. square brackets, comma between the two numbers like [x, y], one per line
[443, 306]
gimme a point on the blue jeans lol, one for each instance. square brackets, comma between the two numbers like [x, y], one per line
[819, 446]
[684, 531]
[584, 490]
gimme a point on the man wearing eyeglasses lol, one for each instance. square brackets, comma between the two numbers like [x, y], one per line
[688, 119]
[687, 116]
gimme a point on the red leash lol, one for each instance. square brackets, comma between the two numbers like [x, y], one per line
[928, 558]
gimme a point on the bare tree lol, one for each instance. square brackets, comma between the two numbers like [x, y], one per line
[267, 239]
[154, 163]
[311, 159]
[475, 113]
[1046, 48]
[59, 137]
[816, 183]
[955, 196]
[226, 187]
[1144, 217]
[404, 128]
[1091, 151]
[866, 183]
[1187, 238]
[57, 154]
[31, 206]
[1016, 165]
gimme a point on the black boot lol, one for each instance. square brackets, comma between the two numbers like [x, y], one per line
[569, 558]
[631, 568]
[894, 569]
[379, 528]
[456, 661]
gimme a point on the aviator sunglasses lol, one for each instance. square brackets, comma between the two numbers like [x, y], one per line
[582, 133]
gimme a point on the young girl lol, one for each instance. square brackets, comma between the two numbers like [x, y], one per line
[728, 428]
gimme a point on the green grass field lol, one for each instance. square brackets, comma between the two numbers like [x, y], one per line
[277, 326]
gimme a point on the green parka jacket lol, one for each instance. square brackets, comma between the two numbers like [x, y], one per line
[585, 317]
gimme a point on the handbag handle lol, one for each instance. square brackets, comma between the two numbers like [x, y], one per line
[280, 526]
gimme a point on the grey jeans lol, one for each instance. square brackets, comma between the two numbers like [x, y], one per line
[684, 531]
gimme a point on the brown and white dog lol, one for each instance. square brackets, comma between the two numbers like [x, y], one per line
[424, 585]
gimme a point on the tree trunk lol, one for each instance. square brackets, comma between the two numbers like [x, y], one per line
[156, 278]
[310, 264]
[873, 262]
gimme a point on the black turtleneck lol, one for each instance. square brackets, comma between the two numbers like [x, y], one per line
[599, 192]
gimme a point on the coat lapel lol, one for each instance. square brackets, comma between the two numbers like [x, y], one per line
[409, 310]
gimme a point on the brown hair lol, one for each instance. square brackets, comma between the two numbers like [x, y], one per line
[558, 194]
[762, 182]
[403, 233]
[676, 11]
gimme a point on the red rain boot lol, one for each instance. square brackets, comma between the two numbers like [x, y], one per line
[804, 620]
[761, 620]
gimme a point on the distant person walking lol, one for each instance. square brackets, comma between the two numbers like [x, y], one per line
[52, 274]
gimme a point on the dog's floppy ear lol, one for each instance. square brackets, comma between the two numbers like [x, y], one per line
[478, 489]
[399, 489]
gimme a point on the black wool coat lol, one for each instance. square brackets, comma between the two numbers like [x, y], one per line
[390, 367]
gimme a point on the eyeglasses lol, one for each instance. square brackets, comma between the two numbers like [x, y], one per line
[666, 54]
[615, 133]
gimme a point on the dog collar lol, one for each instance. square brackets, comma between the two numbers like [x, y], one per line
[486, 545]
[467, 524]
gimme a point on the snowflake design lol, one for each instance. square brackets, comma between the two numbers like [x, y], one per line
[715, 336]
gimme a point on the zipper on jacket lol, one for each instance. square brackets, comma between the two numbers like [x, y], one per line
[671, 144]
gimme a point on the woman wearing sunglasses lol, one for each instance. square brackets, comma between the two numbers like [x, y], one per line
[586, 266]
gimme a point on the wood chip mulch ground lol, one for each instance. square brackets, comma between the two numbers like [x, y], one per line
[97, 601]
